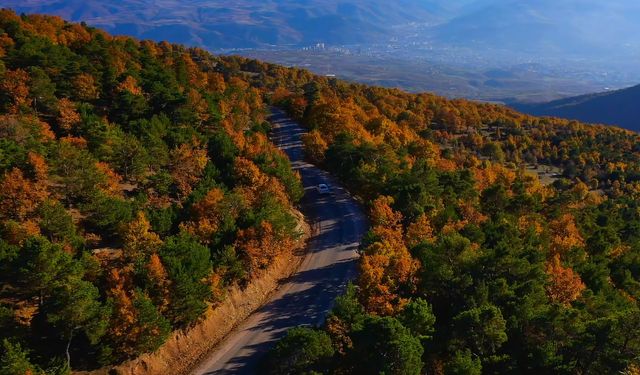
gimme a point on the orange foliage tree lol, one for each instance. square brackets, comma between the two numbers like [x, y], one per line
[188, 163]
[564, 234]
[85, 86]
[207, 216]
[68, 117]
[564, 286]
[19, 197]
[15, 85]
[419, 231]
[260, 246]
[386, 266]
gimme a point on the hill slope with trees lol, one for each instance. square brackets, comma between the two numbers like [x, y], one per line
[618, 107]
[137, 184]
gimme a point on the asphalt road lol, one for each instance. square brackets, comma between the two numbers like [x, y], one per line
[306, 297]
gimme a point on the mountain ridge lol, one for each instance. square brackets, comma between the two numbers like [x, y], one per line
[243, 24]
[619, 107]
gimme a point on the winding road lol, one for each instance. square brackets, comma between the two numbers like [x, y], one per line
[305, 298]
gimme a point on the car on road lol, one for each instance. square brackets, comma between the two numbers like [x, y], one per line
[323, 189]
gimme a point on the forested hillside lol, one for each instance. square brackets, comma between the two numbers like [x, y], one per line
[619, 107]
[473, 263]
[138, 182]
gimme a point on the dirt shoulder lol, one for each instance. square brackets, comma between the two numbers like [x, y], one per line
[184, 349]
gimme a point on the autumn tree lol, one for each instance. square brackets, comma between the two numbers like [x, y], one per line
[188, 163]
[419, 231]
[565, 234]
[259, 245]
[386, 266]
[130, 85]
[39, 166]
[158, 282]
[314, 146]
[68, 117]
[564, 285]
[15, 89]
[85, 87]
[19, 196]
[138, 239]
[383, 215]
[208, 214]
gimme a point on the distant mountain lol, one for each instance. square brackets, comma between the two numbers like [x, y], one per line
[246, 23]
[545, 27]
[621, 107]
[581, 27]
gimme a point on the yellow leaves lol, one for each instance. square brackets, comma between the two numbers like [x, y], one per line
[56, 29]
[383, 271]
[209, 205]
[533, 186]
[491, 174]
[564, 234]
[77, 142]
[188, 163]
[124, 316]
[156, 269]
[248, 174]
[564, 286]
[419, 231]
[85, 86]
[160, 279]
[314, 146]
[111, 186]
[45, 131]
[138, 238]
[130, 84]
[339, 332]
[207, 216]
[526, 222]
[216, 283]
[16, 233]
[215, 83]
[446, 165]
[198, 105]
[280, 95]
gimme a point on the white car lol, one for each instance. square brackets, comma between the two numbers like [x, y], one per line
[323, 189]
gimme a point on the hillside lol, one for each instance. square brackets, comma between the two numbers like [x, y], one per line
[246, 23]
[138, 185]
[618, 107]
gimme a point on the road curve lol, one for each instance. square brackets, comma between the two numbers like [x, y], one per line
[306, 297]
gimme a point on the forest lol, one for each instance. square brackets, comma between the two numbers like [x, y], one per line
[138, 183]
